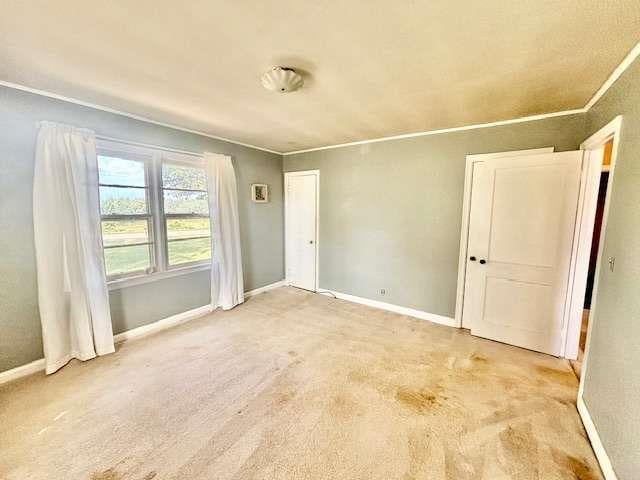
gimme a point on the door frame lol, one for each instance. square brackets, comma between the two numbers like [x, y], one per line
[583, 245]
[466, 211]
[584, 223]
[287, 177]
[611, 130]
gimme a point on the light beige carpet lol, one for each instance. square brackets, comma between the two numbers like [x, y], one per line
[293, 385]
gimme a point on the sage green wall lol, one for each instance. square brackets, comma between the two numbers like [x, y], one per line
[261, 225]
[612, 380]
[390, 212]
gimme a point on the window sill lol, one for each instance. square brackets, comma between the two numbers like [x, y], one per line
[154, 277]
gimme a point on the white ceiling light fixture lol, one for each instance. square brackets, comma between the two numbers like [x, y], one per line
[282, 80]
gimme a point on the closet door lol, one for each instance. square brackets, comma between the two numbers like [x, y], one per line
[301, 224]
[522, 219]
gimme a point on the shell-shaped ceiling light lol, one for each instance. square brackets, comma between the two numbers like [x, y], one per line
[282, 79]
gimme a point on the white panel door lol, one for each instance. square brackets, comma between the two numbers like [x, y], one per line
[301, 232]
[522, 219]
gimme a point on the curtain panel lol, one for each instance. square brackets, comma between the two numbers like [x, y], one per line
[72, 290]
[227, 285]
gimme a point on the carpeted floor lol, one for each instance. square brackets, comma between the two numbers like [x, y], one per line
[292, 386]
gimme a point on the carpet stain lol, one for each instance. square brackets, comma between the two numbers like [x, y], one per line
[108, 474]
[564, 376]
[418, 400]
[569, 402]
[500, 415]
[479, 359]
[283, 397]
[579, 468]
[436, 404]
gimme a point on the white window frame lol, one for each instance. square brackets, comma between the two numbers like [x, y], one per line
[154, 158]
[177, 159]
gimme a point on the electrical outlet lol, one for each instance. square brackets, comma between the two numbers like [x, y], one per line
[383, 291]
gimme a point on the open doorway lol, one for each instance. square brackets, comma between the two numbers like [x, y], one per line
[593, 256]
[598, 170]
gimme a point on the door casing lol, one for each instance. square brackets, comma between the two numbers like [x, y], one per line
[287, 177]
[581, 243]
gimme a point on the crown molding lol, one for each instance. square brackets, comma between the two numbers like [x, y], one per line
[44, 93]
[619, 70]
[530, 118]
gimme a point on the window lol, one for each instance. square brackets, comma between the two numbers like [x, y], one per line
[186, 214]
[154, 209]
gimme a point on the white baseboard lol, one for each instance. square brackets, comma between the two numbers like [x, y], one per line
[144, 330]
[432, 317]
[163, 324]
[21, 371]
[596, 443]
[271, 286]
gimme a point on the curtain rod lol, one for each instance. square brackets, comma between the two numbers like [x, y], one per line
[148, 145]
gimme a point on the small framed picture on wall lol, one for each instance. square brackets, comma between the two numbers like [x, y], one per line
[260, 192]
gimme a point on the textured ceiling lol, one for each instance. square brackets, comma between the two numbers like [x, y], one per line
[372, 68]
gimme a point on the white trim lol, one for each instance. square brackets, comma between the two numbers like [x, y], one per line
[614, 127]
[127, 282]
[466, 207]
[75, 101]
[163, 324]
[142, 331]
[619, 70]
[499, 123]
[422, 315]
[179, 318]
[302, 173]
[21, 371]
[611, 130]
[600, 137]
[596, 442]
[581, 253]
[626, 62]
[266, 288]
[153, 158]
[111, 141]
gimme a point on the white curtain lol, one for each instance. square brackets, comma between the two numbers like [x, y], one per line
[227, 286]
[72, 291]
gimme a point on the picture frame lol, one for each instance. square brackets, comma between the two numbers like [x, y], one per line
[260, 192]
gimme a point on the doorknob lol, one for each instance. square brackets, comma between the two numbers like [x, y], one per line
[482, 261]
[473, 259]
[310, 242]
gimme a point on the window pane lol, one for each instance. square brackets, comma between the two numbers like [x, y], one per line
[120, 260]
[185, 202]
[120, 171]
[187, 227]
[187, 251]
[124, 232]
[123, 201]
[181, 176]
